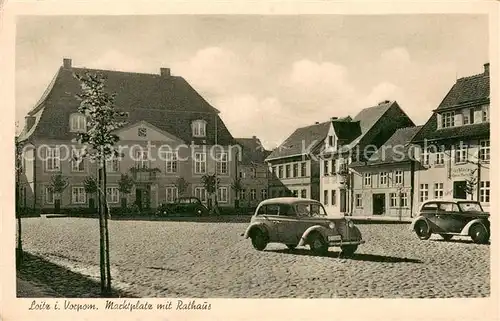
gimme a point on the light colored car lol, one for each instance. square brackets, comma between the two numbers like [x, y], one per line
[452, 217]
[298, 222]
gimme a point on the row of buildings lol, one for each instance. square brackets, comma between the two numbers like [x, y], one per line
[376, 163]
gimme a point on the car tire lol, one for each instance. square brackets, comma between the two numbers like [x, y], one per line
[348, 250]
[446, 237]
[479, 234]
[259, 240]
[422, 230]
[317, 244]
[291, 246]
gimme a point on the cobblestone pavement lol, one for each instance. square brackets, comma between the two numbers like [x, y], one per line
[193, 259]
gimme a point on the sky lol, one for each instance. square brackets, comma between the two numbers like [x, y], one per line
[270, 74]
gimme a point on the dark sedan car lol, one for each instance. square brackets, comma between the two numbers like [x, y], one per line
[184, 206]
[452, 217]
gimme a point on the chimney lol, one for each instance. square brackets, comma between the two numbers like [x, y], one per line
[165, 72]
[316, 123]
[334, 118]
[30, 121]
[67, 63]
[384, 102]
[254, 137]
[487, 69]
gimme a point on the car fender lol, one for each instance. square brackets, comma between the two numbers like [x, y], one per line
[418, 219]
[465, 230]
[318, 228]
[261, 226]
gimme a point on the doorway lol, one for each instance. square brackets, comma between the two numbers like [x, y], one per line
[460, 189]
[343, 201]
[143, 197]
[378, 204]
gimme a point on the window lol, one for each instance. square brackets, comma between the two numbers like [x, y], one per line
[448, 119]
[425, 157]
[171, 159]
[424, 192]
[77, 162]
[326, 171]
[222, 164]
[112, 195]
[242, 174]
[263, 194]
[367, 179]
[280, 171]
[440, 158]
[243, 194]
[484, 192]
[468, 116]
[141, 159]
[486, 114]
[438, 190]
[53, 161]
[287, 171]
[199, 128]
[334, 197]
[78, 123]
[253, 194]
[253, 171]
[325, 197]
[393, 199]
[112, 165]
[404, 199]
[273, 171]
[359, 200]
[171, 194]
[200, 163]
[303, 169]
[141, 132]
[383, 178]
[398, 177]
[484, 150]
[460, 153]
[49, 195]
[222, 194]
[295, 170]
[78, 195]
[200, 193]
[303, 193]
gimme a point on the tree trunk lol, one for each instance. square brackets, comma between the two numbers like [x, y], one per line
[102, 233]
[106, 229]
[19, 248]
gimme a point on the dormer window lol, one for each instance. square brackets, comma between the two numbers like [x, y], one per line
[486, 113]
[78, 122]
[141, 132]
[199, 128]
[448, 119]
[468, 116]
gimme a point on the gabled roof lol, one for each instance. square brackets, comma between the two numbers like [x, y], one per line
[467, 91]
[165, 101]
[395, 150]
[252, 151]
[300, 140]
[346, 131]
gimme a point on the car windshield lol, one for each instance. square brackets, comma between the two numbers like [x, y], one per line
[470, 207]
[310, 209]
[185, 200]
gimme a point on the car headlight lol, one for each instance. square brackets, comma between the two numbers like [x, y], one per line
[350, 224]
[331, 225]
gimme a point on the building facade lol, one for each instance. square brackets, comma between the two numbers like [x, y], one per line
[351, 142]
[455, 144]
[172, 133]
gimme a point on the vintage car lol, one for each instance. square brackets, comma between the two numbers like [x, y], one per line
[183, 206]
[298, 222]
[452, 217]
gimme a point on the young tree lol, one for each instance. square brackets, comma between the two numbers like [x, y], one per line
[90, 185]
[471, 183]
[237, 186]
[182, 185]
[57, 185]
[210, 181]
[125, 185]
[100, 141]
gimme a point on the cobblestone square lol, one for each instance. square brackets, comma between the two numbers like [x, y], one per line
[201, 259]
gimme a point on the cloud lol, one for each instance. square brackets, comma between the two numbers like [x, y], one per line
[397, 56]
[382, 91]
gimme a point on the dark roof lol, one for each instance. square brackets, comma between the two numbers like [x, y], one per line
[167, 102]
[369, 116]
[252, 151]
[467, 91]
[396, 149]
[346, 130]
[300, 140]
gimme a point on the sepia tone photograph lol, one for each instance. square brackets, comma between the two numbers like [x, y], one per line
[251, 157]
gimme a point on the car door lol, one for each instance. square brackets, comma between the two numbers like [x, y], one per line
[268, 215]
[447, 218]
[304, 219]
[286, 224]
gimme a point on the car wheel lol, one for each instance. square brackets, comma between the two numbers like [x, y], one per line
[291, 246]
[317, 244]
[259, 240]
[348, 250]
[423, 230]
[446, 237]
[479, 234]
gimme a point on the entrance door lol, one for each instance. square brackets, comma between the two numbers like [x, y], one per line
[343, 200]
[460, 189]
[138, 197]
[378, 204]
